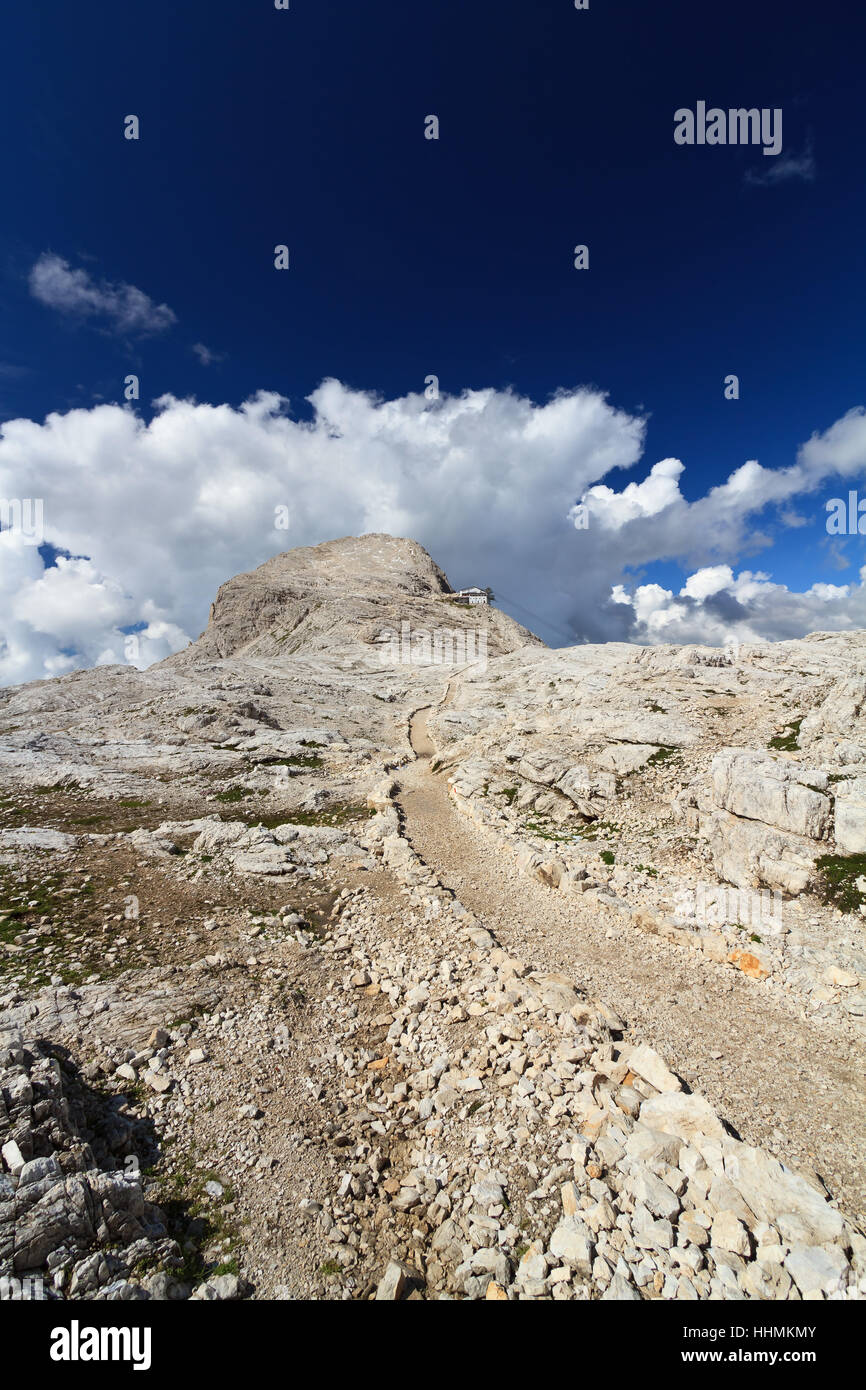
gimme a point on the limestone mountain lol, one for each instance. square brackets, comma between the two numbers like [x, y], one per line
[343, 594]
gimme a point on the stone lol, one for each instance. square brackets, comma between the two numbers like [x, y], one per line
[487, 1193]
[396, 1282]
[842, 979]
[649, 1065]
[491, 1261]
[776, 1196]
[728, 1233]
[687, 1116]
[218, 1288]
[12, 1157]
[38, 1169]
[850, 816]
[760, 787]
[619, 1290]
[157, 1081]
[656, 1196]
[495, 1292]
[570, 1199]
[574, 1244]
[818, 1272]
[749, 963]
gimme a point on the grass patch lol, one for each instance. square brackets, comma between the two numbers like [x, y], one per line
[789, 740]
[234, 794]
[544, 834]
[608, 856]
[597, 827]
[195, 1221]
[661, 755]
[335, 815]
[839, 874]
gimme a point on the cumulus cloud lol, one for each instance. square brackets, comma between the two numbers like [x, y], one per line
[124, 308]
[166, 510]
[715, 606]
[66, 616]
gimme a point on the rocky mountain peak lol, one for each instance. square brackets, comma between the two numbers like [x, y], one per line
[342, 593]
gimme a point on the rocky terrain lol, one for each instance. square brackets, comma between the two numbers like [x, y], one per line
[329, 969]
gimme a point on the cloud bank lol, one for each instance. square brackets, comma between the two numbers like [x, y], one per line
[151, 517]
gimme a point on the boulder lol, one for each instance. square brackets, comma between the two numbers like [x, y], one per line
[757, 787]
[850, 818]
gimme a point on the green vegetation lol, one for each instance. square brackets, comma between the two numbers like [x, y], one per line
[194, 1220]
[588, 834]
[509, 794]
[234, 794]
[608, 856]
[839, 874]
[296, 760]
[545, 834]
[335, 815]
[789, 740]
[596, 828]
[24, 901]
[661, 755]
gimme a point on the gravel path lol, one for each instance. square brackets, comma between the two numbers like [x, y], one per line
[783, 1081]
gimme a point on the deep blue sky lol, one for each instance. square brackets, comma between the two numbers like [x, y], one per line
[412, 257]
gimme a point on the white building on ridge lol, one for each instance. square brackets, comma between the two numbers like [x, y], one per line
[472, 596]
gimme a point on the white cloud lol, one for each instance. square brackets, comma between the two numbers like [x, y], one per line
[205, 356]
[76, 293]
[166, 511]
[785, 168]
[716, 605]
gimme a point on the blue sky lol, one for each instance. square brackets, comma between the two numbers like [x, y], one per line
[453, 257]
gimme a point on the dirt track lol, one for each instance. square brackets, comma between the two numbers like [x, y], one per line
[790, 1084]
